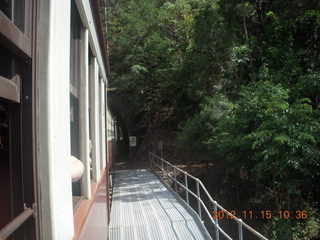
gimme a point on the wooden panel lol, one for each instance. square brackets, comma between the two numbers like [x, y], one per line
[13, 37]
[9, 90]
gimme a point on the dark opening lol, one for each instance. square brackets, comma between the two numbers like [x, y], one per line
[5, 62]
[5, 176]
[16, 127]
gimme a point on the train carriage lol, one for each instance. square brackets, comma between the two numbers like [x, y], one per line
[54, 150]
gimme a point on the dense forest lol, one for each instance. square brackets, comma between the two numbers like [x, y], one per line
[238, 82]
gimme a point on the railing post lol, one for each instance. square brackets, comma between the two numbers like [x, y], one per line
[198, 196]
[167, 173]
[150, 158]
[175, 179]
[217, 222]
[186, 185]
[165, 167]
[240, 229]
[162, 170]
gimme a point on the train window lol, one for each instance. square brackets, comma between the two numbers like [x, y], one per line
[75, 74]
[5, 182]
[90, 63]
[10, 75]
[16, 163]
[5, 62]
[16, 117]
[75, 49]
[15, 10]
[6, 7]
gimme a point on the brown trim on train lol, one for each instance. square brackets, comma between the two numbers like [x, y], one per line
[81, 213]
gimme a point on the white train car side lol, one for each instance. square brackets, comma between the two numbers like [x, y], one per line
[54, 120]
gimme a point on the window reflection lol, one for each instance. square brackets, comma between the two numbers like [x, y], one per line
[15, 11]
[6, 7]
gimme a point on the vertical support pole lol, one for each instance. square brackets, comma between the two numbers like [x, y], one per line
[186, 185]
[156, 161]
[84, 116]
[94, 78]
[150, 160]
[198, 196]
[99, 121]
[52, 100]
[167, 173]
[240, 229]
[153, 162]
[165, 170]
[103, 125]
[107, 122]
[175, 178]
[217, 222]
[162, 170]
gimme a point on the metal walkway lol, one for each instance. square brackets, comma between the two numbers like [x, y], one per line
[144, 209]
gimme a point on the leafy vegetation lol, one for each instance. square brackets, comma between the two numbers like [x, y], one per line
[243, 79]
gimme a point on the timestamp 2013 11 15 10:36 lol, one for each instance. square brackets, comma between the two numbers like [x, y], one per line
[263, 214]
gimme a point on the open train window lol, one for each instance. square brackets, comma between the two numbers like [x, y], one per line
[10, 75]
[76, 44]
[5, 200]
[91, 79]
[17, 186]
[5, 62]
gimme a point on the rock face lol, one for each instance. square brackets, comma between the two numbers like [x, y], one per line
[77, 169]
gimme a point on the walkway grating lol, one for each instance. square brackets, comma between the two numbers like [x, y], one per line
[144, 209]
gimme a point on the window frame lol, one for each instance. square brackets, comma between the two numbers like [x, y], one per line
[12, 37]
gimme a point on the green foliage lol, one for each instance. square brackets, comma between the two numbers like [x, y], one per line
[273, 138]
[246, 76]
[288, 229]
[199, 132]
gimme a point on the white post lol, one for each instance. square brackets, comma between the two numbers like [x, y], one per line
[109, 128]
[198, 198]
[103, 126]
[84, 116]
[186, 185]
[53, 121]
[95, 120]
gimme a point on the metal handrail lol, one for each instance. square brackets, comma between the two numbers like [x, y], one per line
[154, 159]
[16, 223]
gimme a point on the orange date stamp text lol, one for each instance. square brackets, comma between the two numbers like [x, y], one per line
[264, 214]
